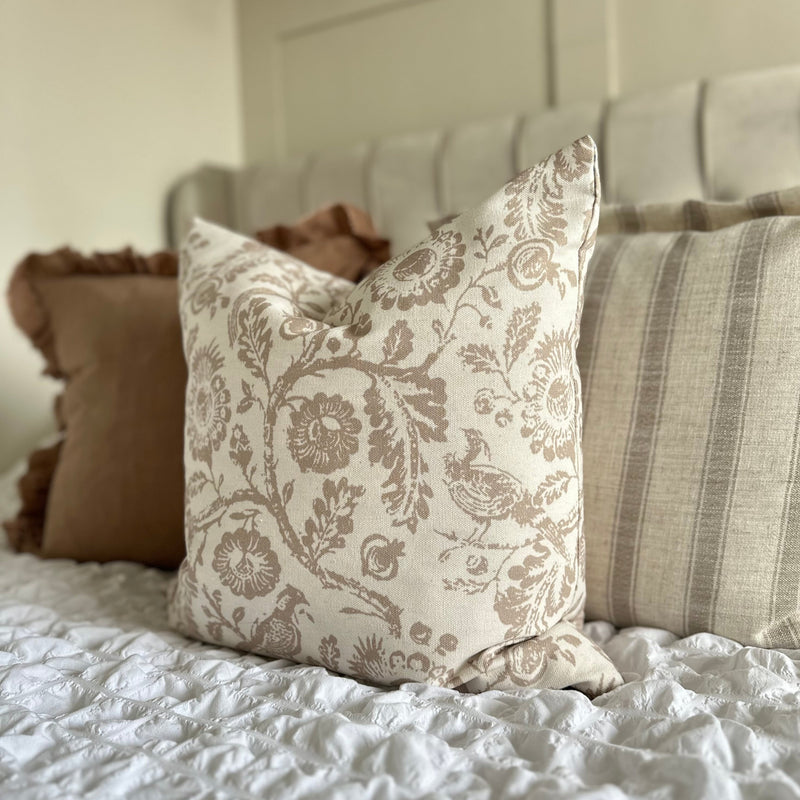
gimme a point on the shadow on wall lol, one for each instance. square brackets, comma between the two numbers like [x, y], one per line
[26, 396]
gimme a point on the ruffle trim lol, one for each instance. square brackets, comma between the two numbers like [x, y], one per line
[29, 309]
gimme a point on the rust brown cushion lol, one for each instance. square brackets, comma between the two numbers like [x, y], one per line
[108, 325]
[340, 239]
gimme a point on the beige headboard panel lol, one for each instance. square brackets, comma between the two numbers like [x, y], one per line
[724, 138]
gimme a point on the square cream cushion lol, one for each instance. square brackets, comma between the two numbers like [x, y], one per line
[385, 479]
[690, 360]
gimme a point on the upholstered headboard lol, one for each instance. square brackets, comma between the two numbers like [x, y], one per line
[724, 138]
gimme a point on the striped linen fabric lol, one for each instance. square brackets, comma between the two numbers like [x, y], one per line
[690, 362]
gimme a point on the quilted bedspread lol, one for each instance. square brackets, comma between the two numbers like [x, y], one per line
[99, 699]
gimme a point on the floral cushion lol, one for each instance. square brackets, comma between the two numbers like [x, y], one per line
[385, 479]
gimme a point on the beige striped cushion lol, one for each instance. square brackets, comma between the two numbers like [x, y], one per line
[690, 361]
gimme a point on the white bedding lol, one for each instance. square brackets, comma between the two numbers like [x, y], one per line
[98, 699]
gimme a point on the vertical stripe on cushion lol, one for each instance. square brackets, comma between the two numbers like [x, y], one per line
[765, 205]
[785, 601]
[723, 447]
[643, 429]
[599, 279]
[696, 217]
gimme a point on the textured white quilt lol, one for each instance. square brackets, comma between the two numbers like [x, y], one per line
[98, 699]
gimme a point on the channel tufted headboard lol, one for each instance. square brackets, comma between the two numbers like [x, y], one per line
[724, 138]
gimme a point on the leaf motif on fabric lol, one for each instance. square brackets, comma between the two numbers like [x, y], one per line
[240, 451]
[573, 162]
[465, 586]
[521, 331]
[404, 409]
[519, 599]
[398, 343]
[491, 297]
[552, 487]
[253, 336]
[551, 222]
[248, 398]
[333, 518]
[195, 483]
[480, 357]
[486, 243]
[329, 652]
[190, 340]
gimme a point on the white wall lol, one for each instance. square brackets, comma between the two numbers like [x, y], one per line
[102, 105]
[320, 74]
[667, 41]
[323, 73]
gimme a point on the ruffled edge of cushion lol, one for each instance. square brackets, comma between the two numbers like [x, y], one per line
[29, 310]
[26, 530]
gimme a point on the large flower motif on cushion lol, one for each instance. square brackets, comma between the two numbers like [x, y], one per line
[423, 276]
[550, 398]
[208, 403]
[246, 563]
[323, 433]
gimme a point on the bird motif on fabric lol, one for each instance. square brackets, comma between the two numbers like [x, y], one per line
[279, 633]
[487, 493]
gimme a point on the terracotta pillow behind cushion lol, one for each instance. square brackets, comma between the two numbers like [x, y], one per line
[339, 239]
[108, 324]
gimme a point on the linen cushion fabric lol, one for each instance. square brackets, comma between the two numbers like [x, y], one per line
[690, 364]
[108, 325]
[385, 479]
[696, 215]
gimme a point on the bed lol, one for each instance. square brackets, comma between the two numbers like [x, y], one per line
[99, 698]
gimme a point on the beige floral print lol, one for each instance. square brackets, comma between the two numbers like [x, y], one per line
[551, 398]
[299, 326]
[527, 662]
[246, 563]
[380, 557]
[324, 434]
[206, 294]
[240, 449]
[422, 277]
[370, 660]
[369, 507]
[208, 403]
